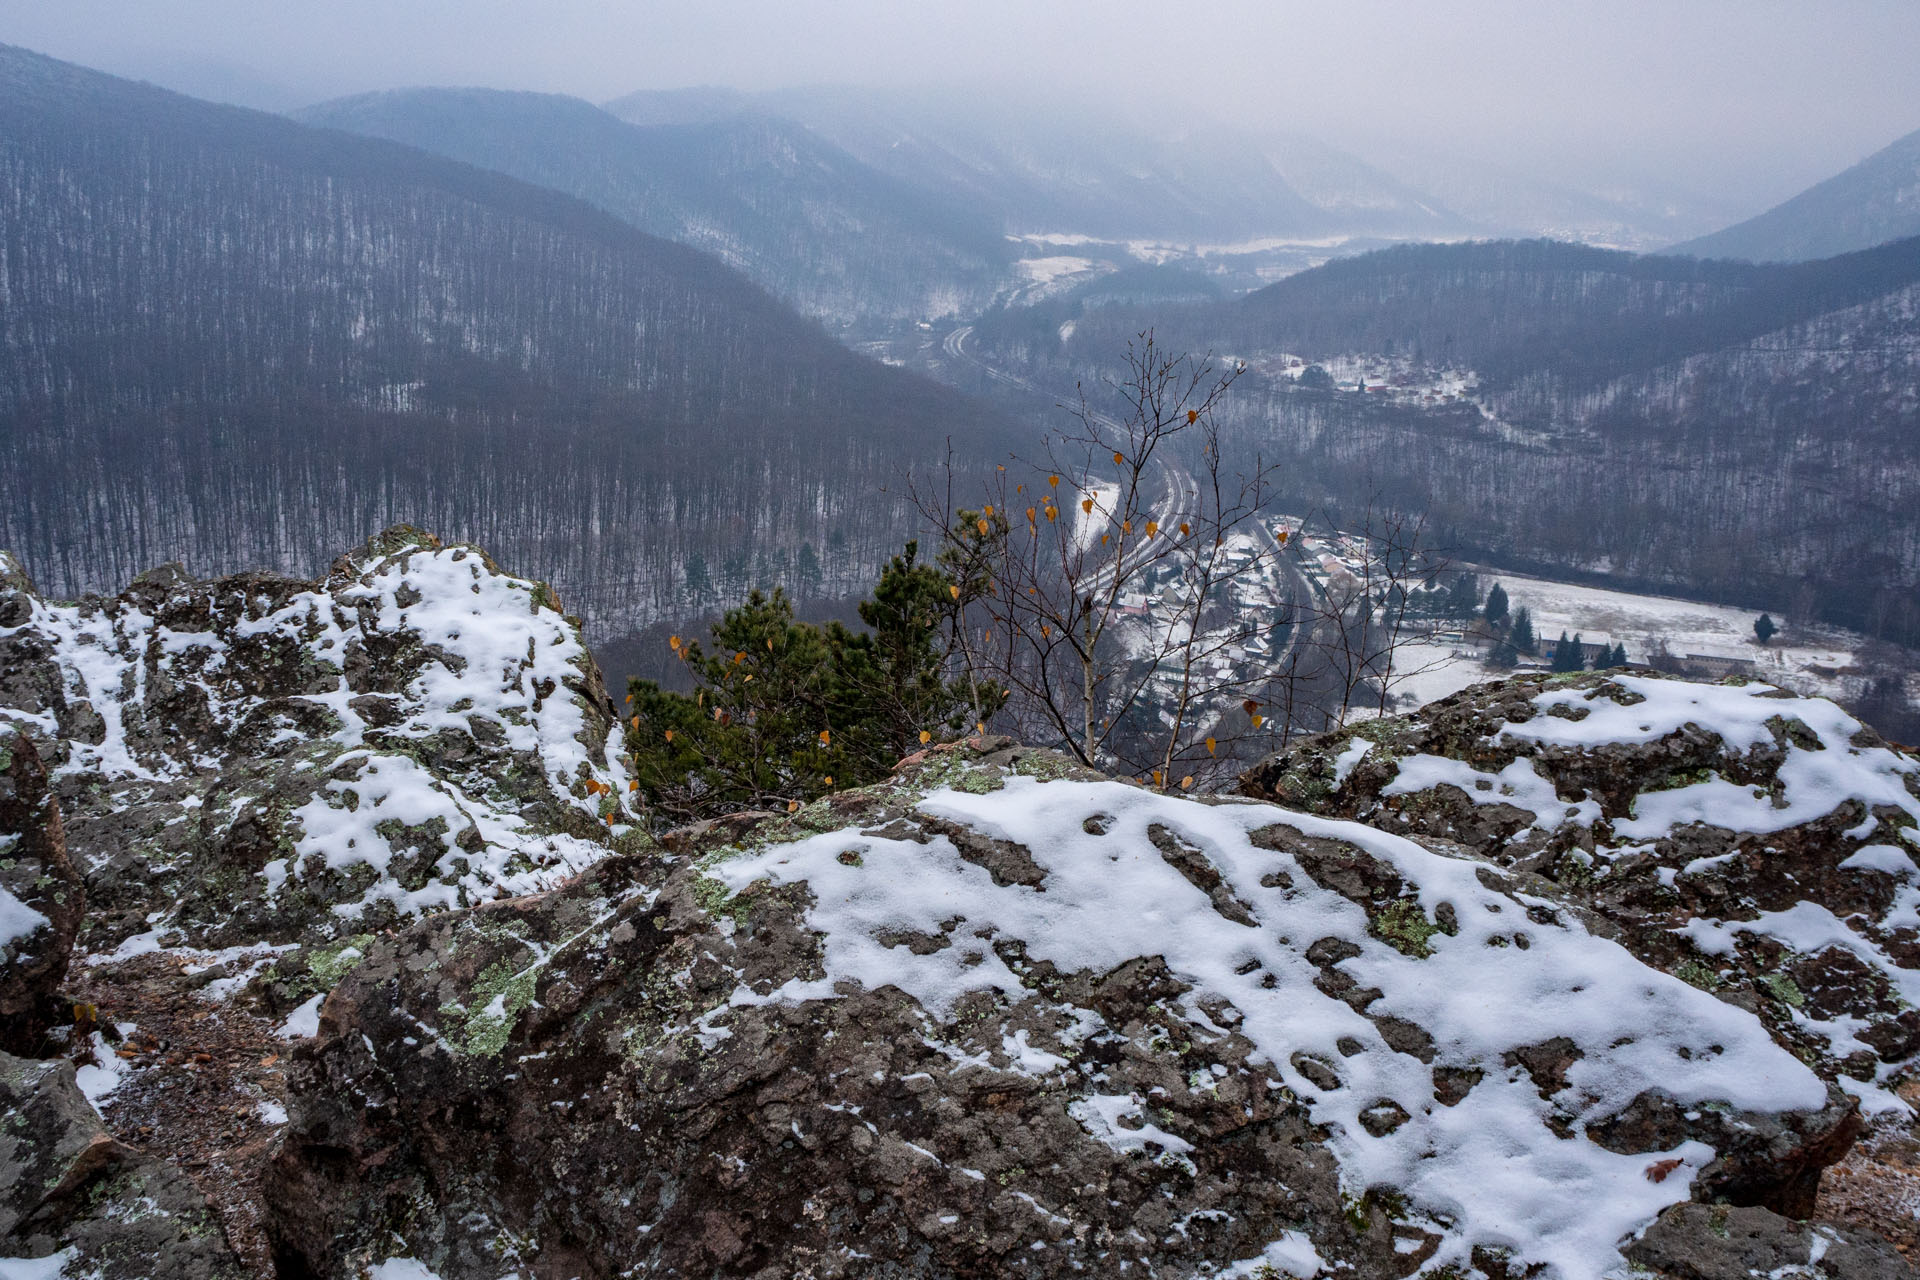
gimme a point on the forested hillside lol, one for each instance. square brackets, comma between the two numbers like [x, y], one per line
[1870, 203]
[238, 341]
[836, 238]
[1741, 431]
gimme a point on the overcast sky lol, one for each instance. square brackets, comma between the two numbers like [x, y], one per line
[1750, 98]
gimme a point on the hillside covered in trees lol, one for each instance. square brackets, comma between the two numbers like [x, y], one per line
[237, 341]
[836, 238]
[1729, 429]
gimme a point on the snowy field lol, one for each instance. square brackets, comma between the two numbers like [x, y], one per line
[1804, 659]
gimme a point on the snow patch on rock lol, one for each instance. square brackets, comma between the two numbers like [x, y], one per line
[1488, 1169]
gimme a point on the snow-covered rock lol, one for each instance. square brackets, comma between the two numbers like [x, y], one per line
[1757, 844]
[264, 759]
[999, 1017]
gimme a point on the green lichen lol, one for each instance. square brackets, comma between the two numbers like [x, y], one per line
[330, 964]
[1402, 925]
[1683, 778]
[498, 996]
[955, 771]
[1784, 989]
[1047, 768]
[1694, 973]
[718, 901]
[1575, 869]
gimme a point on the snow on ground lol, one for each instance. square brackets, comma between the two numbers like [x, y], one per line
[1822, 769]
[1425, 671]
[51, 1267]
[1485, 1170]
[1044, 277]
[106, 1073]
[1804, 659]
[402, 1269]
[1089, 525]
[1687, 626]
[303, 1023]
[17, 919]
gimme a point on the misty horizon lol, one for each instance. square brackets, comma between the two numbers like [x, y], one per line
[1726, 110]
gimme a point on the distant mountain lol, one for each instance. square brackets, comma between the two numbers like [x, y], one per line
[1048, 169]
[1042, 168]
[1507, 201]
[833, 236]
[1871, 203]
[1741, 431]
[235, 340]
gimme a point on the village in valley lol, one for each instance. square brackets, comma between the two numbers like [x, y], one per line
[1462, 624]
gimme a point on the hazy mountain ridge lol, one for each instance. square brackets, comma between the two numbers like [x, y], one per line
[1056, 170]
[1738, 431]
[837, 239]
[235, 340]
[1870, 203]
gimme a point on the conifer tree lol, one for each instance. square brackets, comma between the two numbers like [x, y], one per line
[1566, 654]
[784, 711]
[1496, 609]
[1763, 628]
[1522, 631]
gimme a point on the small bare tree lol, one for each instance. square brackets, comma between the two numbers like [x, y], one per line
[1114, 587]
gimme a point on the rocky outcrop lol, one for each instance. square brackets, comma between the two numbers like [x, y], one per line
[1722, 1242]
[998, 1018]
[1760, 846]
[261, 759]
[78, 1203]
[1553, 979]
[42, 898]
